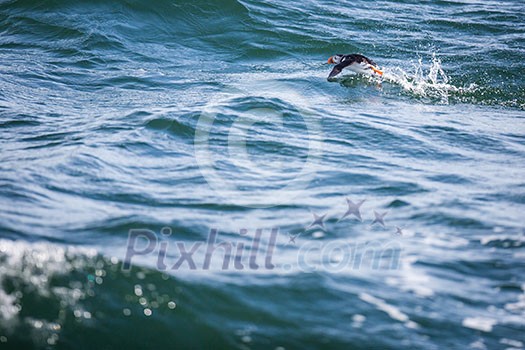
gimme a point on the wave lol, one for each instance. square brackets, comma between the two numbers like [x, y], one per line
[117, 37]
[57, 296]
[124, 29]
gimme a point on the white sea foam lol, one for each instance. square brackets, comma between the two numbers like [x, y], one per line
[519, 305]
[517, 239]
[412, 279]
[511, 342]
[484, 324]
[392, 311]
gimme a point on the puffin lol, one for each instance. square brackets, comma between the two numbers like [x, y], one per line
[355, 62]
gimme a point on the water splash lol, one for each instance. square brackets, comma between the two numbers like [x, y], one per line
[430, 83]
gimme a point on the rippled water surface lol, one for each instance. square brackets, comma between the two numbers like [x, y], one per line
[183, 175]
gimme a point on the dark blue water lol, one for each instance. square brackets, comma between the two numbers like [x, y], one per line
[182, 175]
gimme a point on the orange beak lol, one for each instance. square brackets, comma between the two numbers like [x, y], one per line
[376, 70]
[331, 60]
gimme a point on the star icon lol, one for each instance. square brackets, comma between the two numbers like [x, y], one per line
[318, 221]
[399, 231]
[379, 218]
[291, 238]
[353, 209]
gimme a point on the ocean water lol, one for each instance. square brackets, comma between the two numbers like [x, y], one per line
[182, 175]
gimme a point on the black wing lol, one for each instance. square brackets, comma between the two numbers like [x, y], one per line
[360, 58]
[336, 70]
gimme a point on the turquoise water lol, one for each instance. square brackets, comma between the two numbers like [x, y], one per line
[179, 126]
